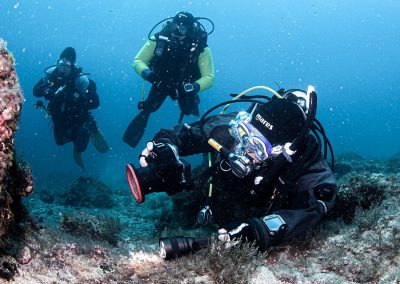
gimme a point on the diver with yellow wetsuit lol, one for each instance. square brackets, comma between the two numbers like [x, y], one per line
[178, 63]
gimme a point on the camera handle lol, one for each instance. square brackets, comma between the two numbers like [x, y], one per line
[181, 165]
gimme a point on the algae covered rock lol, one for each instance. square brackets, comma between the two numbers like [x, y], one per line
[89, 193]
[95, 227]
[393, 164]
[15, 176]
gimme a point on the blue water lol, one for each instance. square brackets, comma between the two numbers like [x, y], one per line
[347, 49]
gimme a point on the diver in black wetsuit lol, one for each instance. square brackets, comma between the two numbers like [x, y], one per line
[265, 160]
[71, 96]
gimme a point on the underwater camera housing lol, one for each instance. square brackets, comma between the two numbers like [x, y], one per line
[165, 172]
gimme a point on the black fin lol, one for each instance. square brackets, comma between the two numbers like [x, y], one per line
[136, 129]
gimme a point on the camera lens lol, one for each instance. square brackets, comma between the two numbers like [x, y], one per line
[143, 181]
[134, 183]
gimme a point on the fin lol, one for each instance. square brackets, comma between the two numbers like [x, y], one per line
[99, 142]
[136, 129]
[78, 158]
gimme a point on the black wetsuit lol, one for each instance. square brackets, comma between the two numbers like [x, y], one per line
[70, 100]
[310, 191]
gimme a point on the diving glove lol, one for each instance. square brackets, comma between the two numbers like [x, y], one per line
[265, 232]
[252, 230]
[159, 152]
[165, 159]
[49, 94]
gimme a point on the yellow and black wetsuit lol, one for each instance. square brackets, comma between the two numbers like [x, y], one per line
[178, 67]
[205, 64]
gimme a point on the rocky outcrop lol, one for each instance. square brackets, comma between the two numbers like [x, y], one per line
[15, 176]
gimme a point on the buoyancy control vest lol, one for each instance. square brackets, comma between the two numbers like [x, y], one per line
[65, 107]
[176, 60]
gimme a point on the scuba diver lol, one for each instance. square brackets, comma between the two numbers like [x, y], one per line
[71, 95]
[178, 63]
[268, 159]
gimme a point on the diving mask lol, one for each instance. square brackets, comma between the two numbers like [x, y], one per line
[252, 148]
[249, 140]
[181, 29]
[64, 66]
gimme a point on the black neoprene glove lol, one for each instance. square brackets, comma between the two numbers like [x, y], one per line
[164, 157]
[49, 94]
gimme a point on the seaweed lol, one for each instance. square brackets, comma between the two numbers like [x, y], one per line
[96, 227]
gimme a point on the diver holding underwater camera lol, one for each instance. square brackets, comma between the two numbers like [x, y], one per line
[268, 158]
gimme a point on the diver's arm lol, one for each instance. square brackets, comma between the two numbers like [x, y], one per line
[40, 88]
[299, 222]
[206, 66]
[314, 198]
[142, 59]
[45, 86]
[188, 139]
[92, 98]
[191, 140]
[87, 92]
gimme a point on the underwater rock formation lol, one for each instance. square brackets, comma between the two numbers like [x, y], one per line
[358, 243]
[89, 193]
[95, 227]
[15, 176]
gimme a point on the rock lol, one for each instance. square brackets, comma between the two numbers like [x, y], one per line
[15, 175]
[8, 267]
[342, 168]
[89, 193]
[264, 275]
[24, 255]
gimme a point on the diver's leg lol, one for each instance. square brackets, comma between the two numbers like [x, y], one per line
[97, 137]
[136, 128]
[60, 134]
[91, 125]
[80, 138]
[189, 104]
[154, 100]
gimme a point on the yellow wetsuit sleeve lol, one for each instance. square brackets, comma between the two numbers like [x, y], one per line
[142, 59]
[206, 66]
